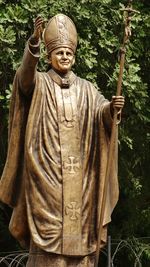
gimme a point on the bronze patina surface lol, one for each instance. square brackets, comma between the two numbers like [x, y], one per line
[59, 132]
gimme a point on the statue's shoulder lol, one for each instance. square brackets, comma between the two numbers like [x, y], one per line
[87, 85]
[43, 78]
[41, 75]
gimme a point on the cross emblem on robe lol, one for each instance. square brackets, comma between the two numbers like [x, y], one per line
[72, 165]
[73, 211]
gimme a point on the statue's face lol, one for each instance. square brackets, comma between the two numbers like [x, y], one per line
[62, 59]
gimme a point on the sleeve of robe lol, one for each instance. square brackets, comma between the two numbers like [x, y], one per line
[112, 194]
[10, 182]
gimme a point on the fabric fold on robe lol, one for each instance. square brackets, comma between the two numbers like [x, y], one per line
[32, 179]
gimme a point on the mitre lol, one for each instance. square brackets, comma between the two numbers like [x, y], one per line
[60, 32]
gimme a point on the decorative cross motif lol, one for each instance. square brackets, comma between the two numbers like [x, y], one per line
[72, 165]
[73, 211]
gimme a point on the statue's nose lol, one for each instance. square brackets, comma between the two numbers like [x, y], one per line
[64, 55]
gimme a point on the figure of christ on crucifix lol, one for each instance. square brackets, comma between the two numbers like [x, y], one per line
[59, 133]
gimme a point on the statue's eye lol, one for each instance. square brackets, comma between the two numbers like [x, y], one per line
[69, 54]
[60, 53]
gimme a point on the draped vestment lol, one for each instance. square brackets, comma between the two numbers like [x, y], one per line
[56, 163]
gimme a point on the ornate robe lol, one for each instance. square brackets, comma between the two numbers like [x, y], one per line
[56, 163]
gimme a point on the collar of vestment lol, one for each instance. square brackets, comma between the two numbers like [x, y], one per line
[65, 81]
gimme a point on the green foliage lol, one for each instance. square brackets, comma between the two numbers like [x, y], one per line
[100, 30]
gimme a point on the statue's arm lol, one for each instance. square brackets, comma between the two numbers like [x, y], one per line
[107, 115]
[27, 70]
[117, 102]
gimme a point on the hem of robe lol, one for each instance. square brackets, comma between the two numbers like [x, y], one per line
[40, 258]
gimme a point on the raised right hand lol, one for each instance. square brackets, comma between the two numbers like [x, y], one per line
[38, 28]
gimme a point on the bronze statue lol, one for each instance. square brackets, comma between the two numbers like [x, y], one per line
[59, 131]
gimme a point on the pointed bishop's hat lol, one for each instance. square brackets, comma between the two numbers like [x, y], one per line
[60, 32]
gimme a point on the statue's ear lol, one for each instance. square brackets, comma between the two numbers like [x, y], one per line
[49, 59]
[74, 60]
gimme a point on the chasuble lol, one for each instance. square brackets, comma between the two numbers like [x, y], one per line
[54, 174]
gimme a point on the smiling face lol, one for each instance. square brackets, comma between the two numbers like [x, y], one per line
[62, 59]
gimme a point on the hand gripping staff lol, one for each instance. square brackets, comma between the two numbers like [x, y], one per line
[127, 33]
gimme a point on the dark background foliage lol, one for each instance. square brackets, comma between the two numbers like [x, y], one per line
[100, 29]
